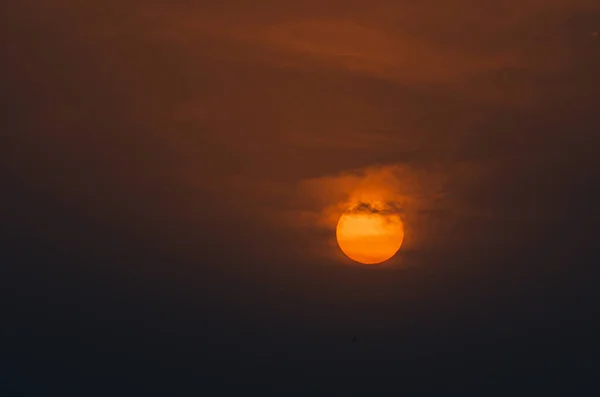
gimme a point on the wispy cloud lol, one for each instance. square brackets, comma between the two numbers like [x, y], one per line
[463, 44]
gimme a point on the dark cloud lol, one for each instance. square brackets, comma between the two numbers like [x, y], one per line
[386, 208]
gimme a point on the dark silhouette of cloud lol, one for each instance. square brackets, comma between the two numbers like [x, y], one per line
[386, 208]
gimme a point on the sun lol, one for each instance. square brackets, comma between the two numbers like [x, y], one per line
[370, 237]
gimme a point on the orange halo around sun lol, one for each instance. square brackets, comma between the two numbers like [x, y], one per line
[370, 237]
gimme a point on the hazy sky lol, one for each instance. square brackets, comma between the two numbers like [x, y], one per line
[219, 140]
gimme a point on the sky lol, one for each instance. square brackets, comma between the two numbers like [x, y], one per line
[175, 171]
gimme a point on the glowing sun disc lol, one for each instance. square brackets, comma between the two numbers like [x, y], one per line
[370, 238]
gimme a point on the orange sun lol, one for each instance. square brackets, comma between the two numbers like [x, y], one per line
[370, 237]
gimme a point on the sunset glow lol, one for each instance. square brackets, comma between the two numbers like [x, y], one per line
[370, 238]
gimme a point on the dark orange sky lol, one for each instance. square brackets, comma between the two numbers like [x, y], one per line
[221, 139]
